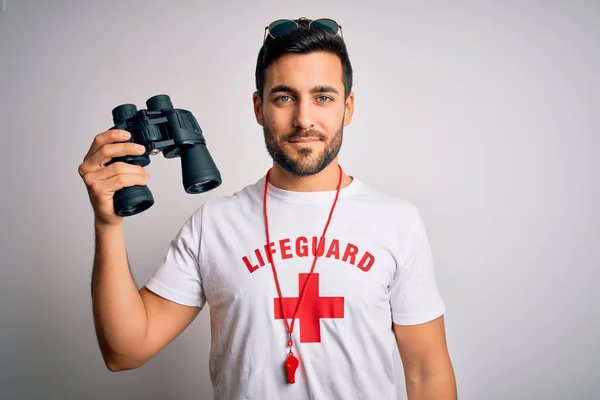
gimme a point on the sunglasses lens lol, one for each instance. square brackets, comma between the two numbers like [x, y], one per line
[325, 24]
[281, 27]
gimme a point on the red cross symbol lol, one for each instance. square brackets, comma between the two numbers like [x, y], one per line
[311, 311]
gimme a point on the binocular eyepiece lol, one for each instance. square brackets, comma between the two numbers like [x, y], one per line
[175, 133]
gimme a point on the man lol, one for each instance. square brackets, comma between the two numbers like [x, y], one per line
[311, 275]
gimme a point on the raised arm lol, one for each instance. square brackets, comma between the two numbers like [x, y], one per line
[132, 325]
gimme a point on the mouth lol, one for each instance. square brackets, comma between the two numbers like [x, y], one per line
[304, 140]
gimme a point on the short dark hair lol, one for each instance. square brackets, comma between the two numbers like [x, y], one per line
[302, 41]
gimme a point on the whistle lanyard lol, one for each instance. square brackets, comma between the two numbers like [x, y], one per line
[291, 363]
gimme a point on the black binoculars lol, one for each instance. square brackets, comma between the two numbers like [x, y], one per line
[175, 133]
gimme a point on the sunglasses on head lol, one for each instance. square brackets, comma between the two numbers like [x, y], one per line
[282, 26]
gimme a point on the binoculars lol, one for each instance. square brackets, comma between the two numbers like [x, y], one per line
[175, 133]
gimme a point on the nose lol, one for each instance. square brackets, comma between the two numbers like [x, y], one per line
[303, 116]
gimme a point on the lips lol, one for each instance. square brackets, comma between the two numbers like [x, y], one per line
[304, 140]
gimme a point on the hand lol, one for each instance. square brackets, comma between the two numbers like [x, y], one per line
[103, 181]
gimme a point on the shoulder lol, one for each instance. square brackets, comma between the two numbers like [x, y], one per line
[398, 218]
[383, 202]
[240, 203]
[244, 199]
[395, 216]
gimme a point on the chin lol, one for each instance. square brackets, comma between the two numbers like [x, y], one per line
[302, 166]
[302, 159]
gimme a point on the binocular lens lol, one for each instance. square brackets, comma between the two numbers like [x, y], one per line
[200, 174]
[202, 187]
[132, 200]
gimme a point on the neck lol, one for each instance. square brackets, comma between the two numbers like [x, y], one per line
[325, 180]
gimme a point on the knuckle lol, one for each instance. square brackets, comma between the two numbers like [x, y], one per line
[105, 151]
[117, 167]
[121, 179]
[88, 181]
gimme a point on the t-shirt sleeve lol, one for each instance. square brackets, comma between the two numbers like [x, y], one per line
[178, 277]
[414, 294]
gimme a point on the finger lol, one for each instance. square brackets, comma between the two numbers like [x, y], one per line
[103, 138]
[120, 181]
[112, 150]
[118, 168]
[107, 152]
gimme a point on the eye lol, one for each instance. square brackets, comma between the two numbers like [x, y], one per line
[282, 98]
[324, 99]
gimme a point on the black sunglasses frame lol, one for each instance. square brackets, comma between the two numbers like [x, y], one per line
[297, 23]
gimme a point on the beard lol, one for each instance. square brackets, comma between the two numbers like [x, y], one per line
[309, 161]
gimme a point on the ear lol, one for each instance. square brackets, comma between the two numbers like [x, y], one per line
[349, 109]
[257, 107]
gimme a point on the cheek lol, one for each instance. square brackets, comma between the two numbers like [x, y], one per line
[332, 121]
[330, 115]
[277, 121]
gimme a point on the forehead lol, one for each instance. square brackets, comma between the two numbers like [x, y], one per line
[304, 71]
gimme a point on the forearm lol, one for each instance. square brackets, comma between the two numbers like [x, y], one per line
[440, 385]
[119, 313]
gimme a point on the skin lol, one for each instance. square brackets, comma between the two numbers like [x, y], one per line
[303, 111]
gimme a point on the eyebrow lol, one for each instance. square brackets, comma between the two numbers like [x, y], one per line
[316, 89]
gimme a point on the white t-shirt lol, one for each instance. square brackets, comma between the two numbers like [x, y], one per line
[375, 267]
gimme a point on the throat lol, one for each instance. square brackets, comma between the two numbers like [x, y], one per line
[326, 180]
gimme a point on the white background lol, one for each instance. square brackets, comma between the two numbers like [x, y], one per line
[483, 114]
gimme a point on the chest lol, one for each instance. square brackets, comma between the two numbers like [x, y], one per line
[352, 264]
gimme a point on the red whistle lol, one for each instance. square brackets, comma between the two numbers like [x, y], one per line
[291, 364]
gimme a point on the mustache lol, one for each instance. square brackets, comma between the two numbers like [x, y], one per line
[304, 134]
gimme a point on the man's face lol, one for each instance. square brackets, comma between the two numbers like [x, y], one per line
[303, 111]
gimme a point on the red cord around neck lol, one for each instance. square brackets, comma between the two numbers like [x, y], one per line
[290, 327]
